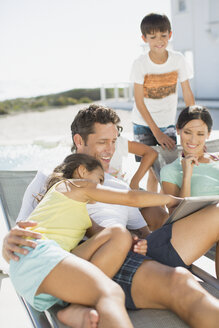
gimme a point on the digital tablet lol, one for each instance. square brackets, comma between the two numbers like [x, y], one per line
[190, 205]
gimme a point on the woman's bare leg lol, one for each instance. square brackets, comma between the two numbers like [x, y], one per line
[192, 236]
[107, 249]
[77, 281]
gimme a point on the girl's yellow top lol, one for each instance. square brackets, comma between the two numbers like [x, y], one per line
[61, 219]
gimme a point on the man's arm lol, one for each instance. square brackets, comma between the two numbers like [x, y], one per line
[187, 93]
[162, 138]
[16, 238]
[148, 154]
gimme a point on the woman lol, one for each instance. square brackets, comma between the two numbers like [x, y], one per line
[195, 172]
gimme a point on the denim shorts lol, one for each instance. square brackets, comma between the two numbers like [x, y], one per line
[144, 135]
[160, 249]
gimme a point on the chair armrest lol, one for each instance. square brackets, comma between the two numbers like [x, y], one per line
[205, 276]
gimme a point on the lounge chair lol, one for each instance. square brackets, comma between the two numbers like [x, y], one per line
[12, 187]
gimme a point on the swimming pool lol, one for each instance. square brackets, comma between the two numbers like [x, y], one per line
[32, 157]
[38, 157]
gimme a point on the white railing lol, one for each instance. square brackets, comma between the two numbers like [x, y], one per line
[126, 86]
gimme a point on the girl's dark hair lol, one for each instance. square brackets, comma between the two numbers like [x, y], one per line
[155, 22]
[194, 112]
[66, 169]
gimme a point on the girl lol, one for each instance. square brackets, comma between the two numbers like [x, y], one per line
[196, 172]
[44, 279]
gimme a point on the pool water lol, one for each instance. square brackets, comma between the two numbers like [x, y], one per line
[32, 157]
[38, 157]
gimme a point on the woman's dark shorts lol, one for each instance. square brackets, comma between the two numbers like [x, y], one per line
[159, 249]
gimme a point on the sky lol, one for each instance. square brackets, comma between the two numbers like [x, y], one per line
[54, 45]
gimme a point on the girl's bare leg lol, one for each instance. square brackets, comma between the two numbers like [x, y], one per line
[79, 316]
[77, 281]
[192, 236]
[107, 249]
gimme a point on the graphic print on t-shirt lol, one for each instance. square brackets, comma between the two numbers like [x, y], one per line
[157, 86]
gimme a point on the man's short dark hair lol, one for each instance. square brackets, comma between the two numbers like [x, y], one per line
[85, 119]
[155, 22]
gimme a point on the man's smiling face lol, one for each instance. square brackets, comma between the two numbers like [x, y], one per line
[101, 143]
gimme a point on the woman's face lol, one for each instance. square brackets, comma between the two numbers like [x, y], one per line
[193, 136]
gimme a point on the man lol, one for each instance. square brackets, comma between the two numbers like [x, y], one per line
[154, 281]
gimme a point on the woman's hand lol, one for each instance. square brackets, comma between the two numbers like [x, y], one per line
[139, 245]
[17, 238]
[188, 162]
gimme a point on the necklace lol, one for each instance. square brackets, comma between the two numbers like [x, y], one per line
[215, 158]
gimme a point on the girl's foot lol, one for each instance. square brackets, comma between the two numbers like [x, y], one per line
[78, 316]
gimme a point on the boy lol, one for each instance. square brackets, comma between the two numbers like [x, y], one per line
[155, 78]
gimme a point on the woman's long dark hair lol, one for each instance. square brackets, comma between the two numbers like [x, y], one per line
[194, 112]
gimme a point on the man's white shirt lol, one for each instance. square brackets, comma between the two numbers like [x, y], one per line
[103, 214]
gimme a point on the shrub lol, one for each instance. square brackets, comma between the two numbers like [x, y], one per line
[39, 103]
[60, 101]
[71, 101]
[93, 94]
[3, 110]
[84, 100]
[66, 98]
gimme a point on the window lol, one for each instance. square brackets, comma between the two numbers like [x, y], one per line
[181, 5]
[214, 18]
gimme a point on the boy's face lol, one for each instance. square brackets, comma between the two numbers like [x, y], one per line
[157, 40]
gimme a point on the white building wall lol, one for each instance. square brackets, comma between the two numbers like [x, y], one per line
[195, 25]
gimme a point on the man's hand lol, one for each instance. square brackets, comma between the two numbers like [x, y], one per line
[17, 238]
[139, 245]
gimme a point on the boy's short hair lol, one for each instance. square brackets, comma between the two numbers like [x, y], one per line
[155, 22]
[85, 119]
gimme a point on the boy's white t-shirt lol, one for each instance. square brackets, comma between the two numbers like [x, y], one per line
[121, 152]
[160, 86]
